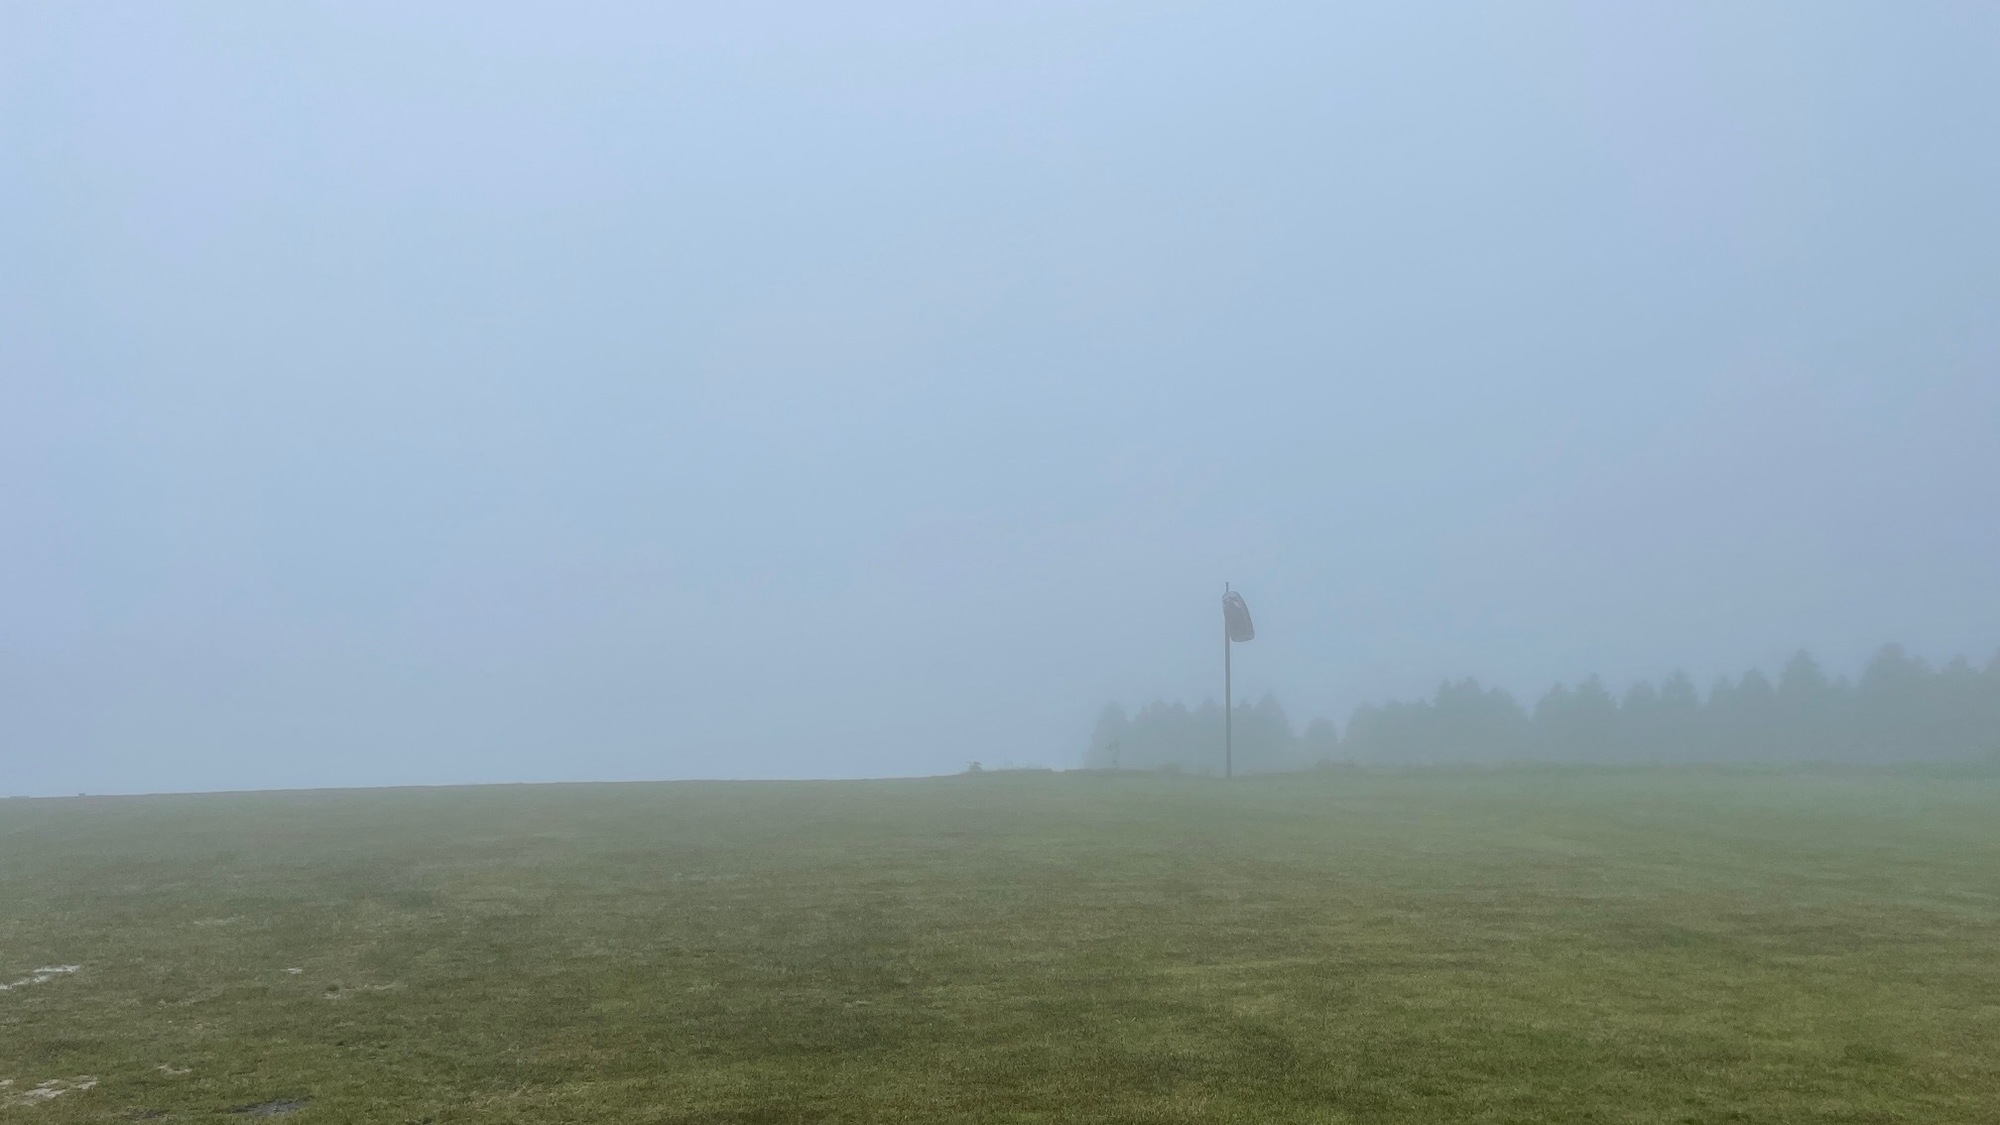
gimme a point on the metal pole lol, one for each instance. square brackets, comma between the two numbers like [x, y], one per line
[1228, 703]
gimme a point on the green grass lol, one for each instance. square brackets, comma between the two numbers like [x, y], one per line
[1515, 946]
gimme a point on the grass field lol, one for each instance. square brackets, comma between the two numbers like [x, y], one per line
[1518, 946]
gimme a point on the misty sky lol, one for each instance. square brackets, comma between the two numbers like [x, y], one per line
[419, 393]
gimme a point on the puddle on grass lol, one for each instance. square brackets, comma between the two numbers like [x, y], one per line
[277, 1108]
[43, 975]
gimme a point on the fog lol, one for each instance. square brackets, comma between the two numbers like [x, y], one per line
[399, 394]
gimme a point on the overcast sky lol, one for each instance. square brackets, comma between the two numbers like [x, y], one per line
[418, 393]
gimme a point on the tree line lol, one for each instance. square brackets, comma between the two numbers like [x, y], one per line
[1899, 709]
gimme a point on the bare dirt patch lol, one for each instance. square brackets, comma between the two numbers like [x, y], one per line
[42, 975]
[44, 1092]
[343, 991]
